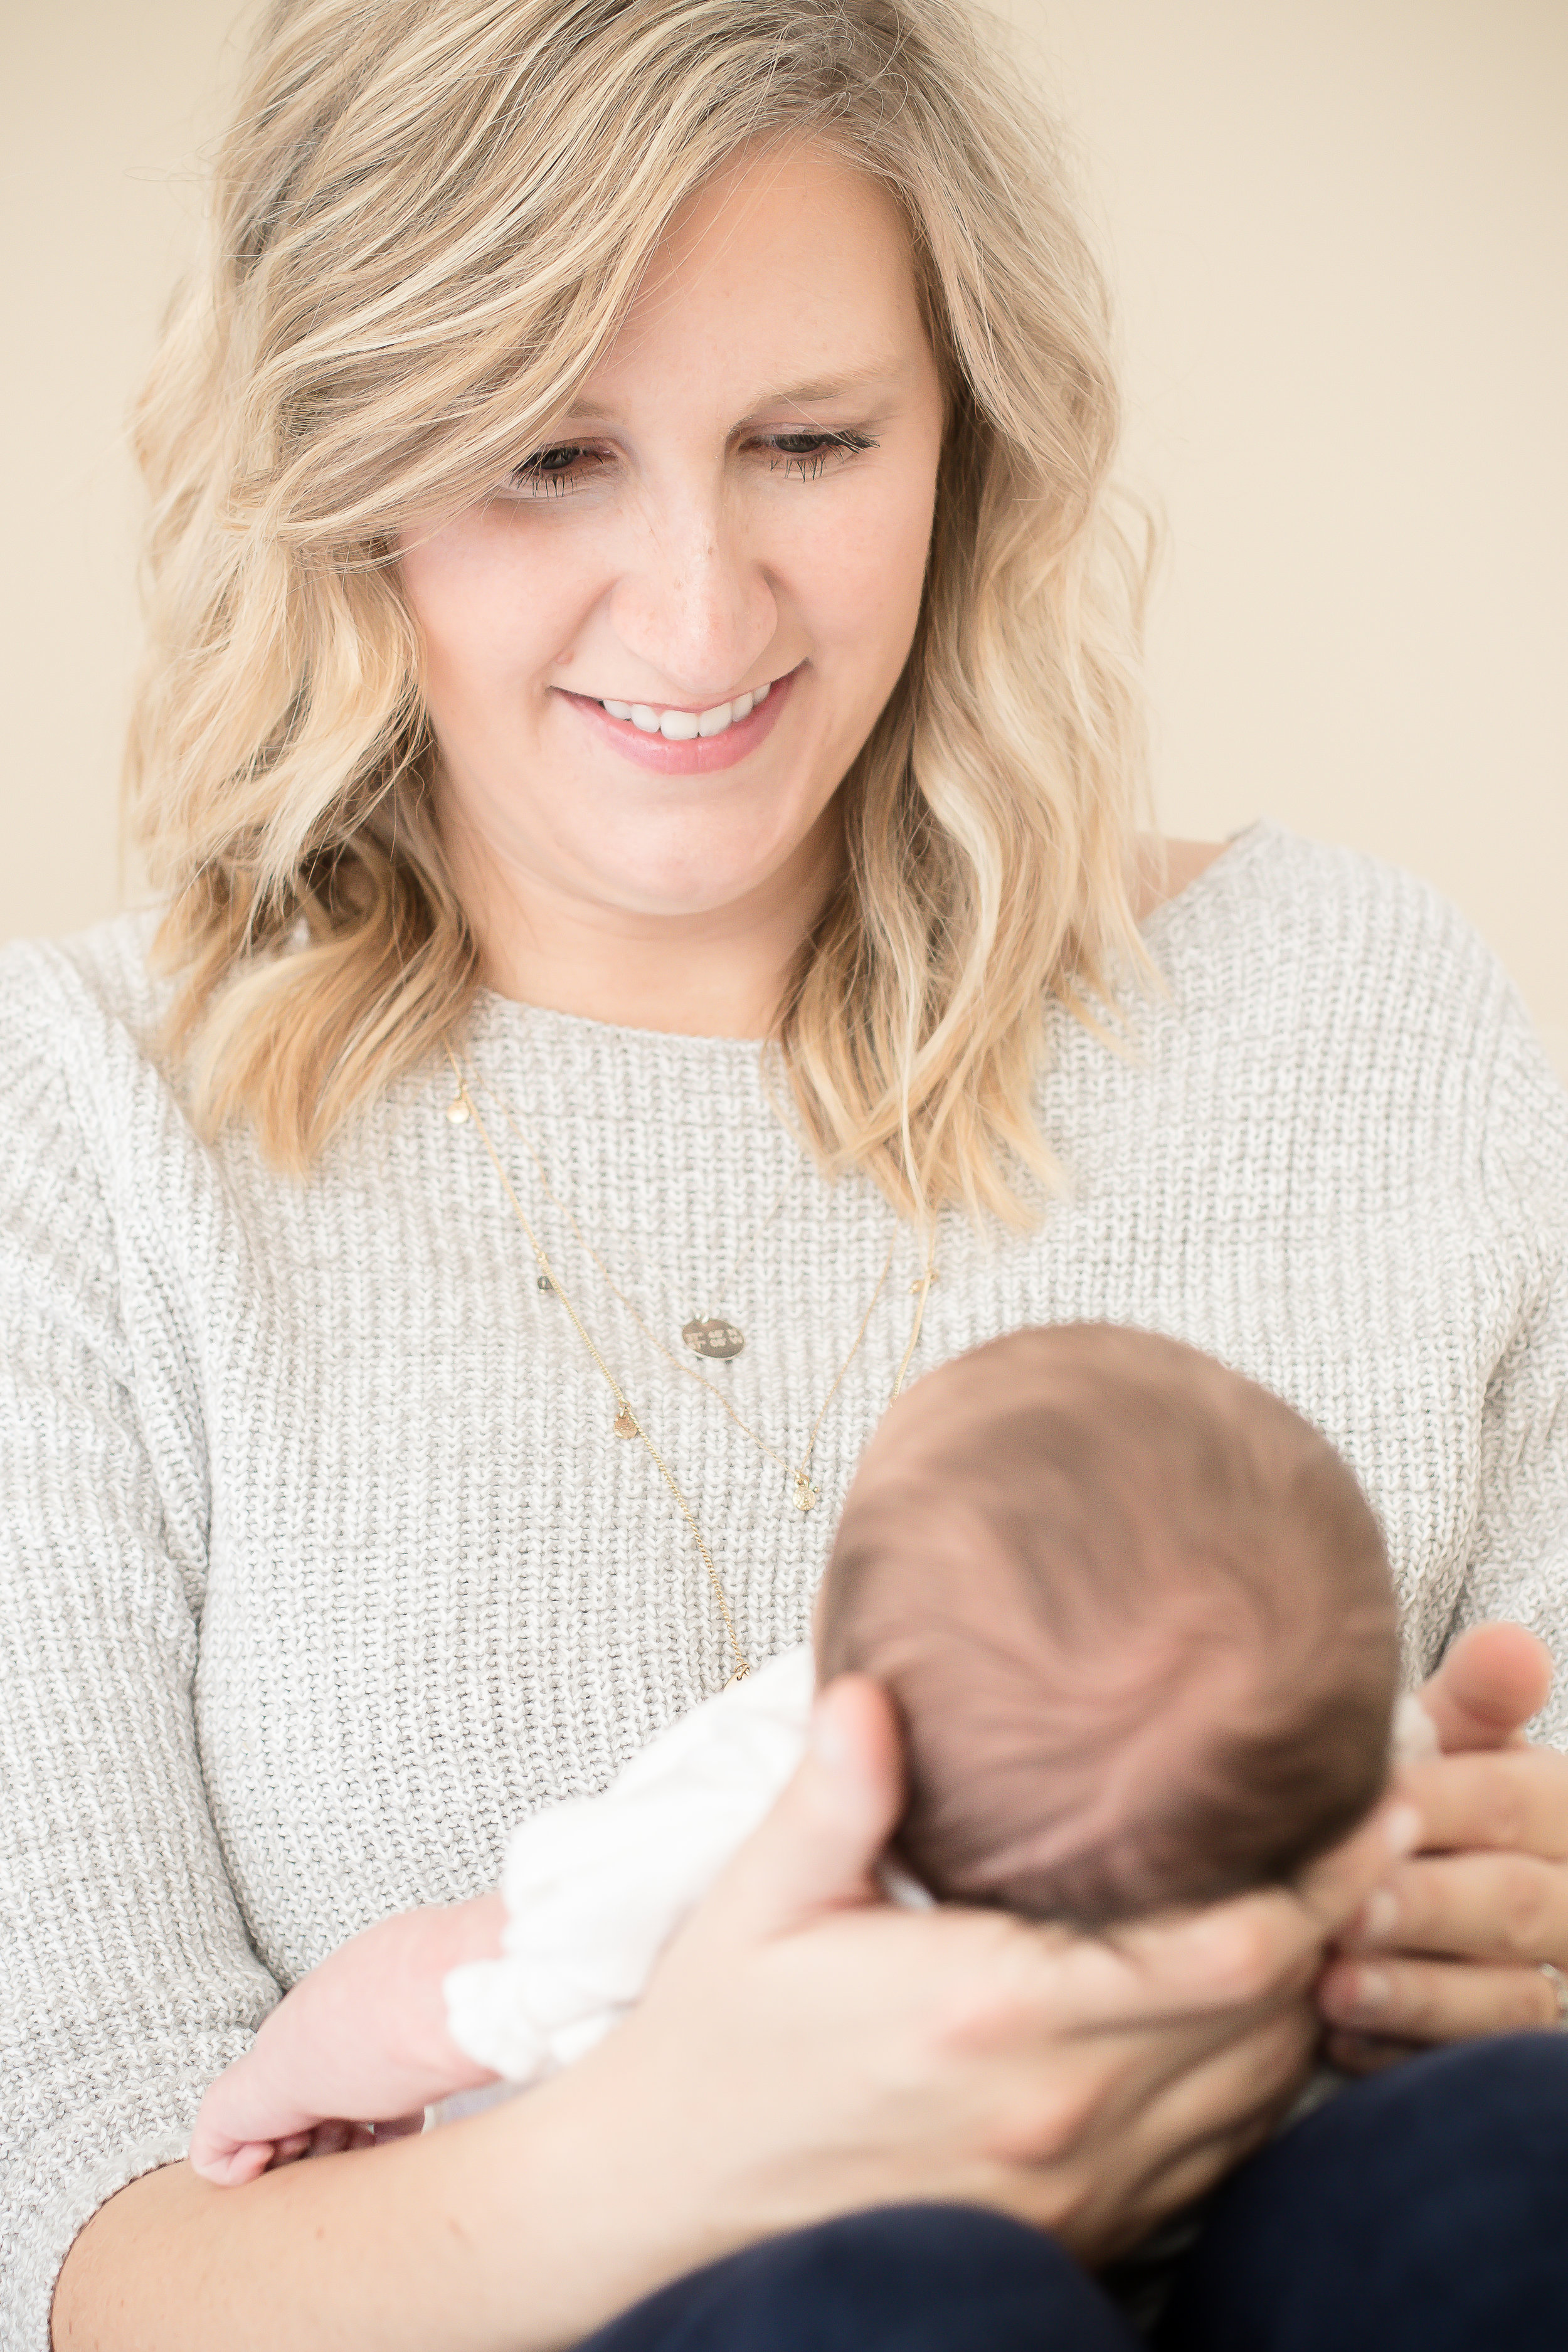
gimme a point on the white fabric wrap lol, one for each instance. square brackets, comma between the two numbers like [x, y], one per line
[595, 1888]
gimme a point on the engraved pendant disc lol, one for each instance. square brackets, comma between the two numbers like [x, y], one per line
[712, 1336]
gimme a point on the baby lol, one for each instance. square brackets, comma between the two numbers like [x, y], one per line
[1136, 1617]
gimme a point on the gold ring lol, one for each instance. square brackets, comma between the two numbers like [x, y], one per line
[1559, 1983]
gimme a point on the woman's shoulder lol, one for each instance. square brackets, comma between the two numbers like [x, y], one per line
[79, 1020]
[1269, 887]
[99, 976]
[1359, 991]
[1306, 933]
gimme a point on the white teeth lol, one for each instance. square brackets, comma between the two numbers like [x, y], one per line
[681, 726]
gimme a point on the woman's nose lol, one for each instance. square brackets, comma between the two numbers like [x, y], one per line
[695, 606]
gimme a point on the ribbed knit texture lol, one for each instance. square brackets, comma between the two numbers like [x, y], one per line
[321, 1565]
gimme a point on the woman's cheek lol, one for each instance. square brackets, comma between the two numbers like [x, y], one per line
[866, 575]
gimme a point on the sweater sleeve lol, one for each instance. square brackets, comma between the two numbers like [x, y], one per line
[126, 1977]
[1517, 1567]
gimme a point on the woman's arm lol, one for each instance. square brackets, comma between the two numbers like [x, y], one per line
[805, 2049]
[1453, 1945]
[127, 1977]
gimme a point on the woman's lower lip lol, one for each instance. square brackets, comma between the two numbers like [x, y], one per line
[705, 754]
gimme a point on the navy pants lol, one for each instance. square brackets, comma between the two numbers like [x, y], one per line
[1424, 2211]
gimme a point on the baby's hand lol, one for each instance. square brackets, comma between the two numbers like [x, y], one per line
[361, 2040]
[242, 2130]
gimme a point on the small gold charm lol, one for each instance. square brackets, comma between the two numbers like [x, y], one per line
[923, 1281]
[625, 1424]
[715, 1337]
[543, 1282]
[457, 1110]
[806, 1496]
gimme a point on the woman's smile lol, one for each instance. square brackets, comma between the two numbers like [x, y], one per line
[678, 743]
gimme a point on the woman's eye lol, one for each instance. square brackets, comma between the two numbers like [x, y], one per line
[553, 473]
[809, 454]
[550, 473]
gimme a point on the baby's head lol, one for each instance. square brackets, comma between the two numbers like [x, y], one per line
[1136, 1616]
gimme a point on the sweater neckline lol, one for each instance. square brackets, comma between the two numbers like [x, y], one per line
[505, 1017]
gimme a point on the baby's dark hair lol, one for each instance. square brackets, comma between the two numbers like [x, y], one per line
[1136, 1615]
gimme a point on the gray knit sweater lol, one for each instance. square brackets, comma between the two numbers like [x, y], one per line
[320, 1564]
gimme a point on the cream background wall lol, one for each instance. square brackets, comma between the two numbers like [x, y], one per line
[1339, 236]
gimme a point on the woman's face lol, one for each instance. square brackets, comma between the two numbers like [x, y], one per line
[739, 504]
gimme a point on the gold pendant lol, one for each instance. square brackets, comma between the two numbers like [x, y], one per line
[712, 1336]
[458, 1111]
[806, 1496]
[625, 1424]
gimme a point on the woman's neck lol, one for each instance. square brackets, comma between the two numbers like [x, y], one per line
[716, 972]
[719, 972]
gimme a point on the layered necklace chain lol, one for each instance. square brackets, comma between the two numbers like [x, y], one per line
[802, 1493]
[629, 1423]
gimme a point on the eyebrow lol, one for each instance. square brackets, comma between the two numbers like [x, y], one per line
[879, 377]
[830, 387]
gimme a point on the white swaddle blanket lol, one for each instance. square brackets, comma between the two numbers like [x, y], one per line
[596, 1887]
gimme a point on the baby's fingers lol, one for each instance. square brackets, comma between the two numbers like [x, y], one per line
[231, 2167]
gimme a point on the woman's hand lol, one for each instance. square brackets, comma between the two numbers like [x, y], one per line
[1088, 2084]
[1451, 1947]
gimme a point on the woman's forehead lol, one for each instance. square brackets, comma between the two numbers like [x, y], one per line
[790, 274]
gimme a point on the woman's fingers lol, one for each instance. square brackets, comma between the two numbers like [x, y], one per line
[1239, 1952]
[1515, 1799]
[1482, 1907]
[1430, 2001]
[1492, 1681]
[1192, 1978]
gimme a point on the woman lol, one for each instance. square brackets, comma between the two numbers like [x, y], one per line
[640, 748]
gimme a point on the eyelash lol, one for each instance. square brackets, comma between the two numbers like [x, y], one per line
[531, 480]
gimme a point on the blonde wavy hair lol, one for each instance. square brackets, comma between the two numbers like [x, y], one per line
[431, 219]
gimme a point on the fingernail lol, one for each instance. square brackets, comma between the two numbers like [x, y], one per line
[1401, 1829]
[1372, 1992]
[1379, 1915]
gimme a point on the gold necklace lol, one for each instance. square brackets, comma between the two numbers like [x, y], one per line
[715, 1336]
[803, 1495]
[627, 1425]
